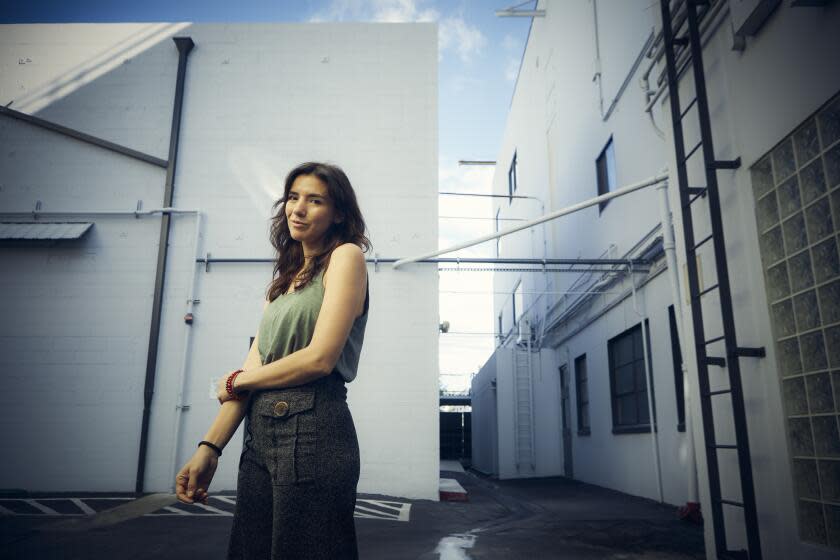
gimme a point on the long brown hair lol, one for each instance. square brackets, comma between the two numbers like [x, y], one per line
[289, 252]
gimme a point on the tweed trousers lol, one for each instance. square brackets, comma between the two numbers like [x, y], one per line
[298, 473]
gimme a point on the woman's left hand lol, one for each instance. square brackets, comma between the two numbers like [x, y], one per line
[222, 393]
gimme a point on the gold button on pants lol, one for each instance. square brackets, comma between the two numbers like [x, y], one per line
[281, 408]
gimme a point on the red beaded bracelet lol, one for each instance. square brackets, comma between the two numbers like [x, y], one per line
[229, 384]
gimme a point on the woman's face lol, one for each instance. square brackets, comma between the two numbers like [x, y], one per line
[309, 211]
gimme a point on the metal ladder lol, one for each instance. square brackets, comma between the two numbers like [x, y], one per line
[524, 400]
[688, 195]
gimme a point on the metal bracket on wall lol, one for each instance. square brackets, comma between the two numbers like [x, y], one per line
[84, 137]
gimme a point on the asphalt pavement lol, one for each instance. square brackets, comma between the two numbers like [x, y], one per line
[532, 519]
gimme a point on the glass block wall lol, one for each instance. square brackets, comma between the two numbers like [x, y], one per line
[797, 203]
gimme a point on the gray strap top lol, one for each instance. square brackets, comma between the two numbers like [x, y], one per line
[288, 323]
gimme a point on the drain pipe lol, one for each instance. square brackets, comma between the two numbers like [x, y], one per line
[180, 405]
[674, 277]
[649, 382]
[597, 77]
[185, 45]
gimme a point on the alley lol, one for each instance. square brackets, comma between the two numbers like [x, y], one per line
[534, 518]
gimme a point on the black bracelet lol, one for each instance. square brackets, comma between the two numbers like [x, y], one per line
[208, 444]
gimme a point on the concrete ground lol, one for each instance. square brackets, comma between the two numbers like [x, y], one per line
[534, 519]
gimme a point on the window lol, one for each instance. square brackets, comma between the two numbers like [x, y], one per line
[582, 391]
[498, 239]
[678, 372]
[501, 329]
[518, 302]
[605, 167]
[512, 178]
[628, 387]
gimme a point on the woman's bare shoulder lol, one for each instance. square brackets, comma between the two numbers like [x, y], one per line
[347, 255]
[346, 252]
[348, 247]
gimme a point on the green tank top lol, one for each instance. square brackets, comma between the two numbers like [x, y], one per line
[288, 323]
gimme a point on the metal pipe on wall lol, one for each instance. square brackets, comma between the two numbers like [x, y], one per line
[610, 276]
[184, 45]
[180, 404]
[708, 25]
[649, 384]
[544, 218]
[674, 277]
[598, 74]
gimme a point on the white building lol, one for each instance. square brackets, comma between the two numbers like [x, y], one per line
[82, 339]
[578, 128]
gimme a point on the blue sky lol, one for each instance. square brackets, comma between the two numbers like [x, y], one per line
[480, 52]
[479, 57]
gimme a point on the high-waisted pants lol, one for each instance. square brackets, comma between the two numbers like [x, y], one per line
[298, 472]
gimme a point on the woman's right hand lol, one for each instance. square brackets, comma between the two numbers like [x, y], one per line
[193, 479]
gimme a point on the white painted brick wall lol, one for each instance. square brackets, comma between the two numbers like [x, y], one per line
[259, 99]
[555, 95]
[757, 97]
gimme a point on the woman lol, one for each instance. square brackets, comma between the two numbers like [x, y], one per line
[299, 468]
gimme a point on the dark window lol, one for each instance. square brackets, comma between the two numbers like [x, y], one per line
[582, 391]
[512, 178]
[501, 332]
[605, 167]
[628, 389]
[498, 239]
[678, 373]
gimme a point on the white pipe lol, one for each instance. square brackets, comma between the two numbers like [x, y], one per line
[571, 379]
[649, 385]
[676, 296]
[544, 218]
[545, 272]
[36, 213]
[652, 97]
[182, 375]
[566, 468]
[531, 404]
[707, 28]
[597, 76]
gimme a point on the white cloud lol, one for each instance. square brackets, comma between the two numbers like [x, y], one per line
[453, 32]
[466, 39]
[394, 11]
